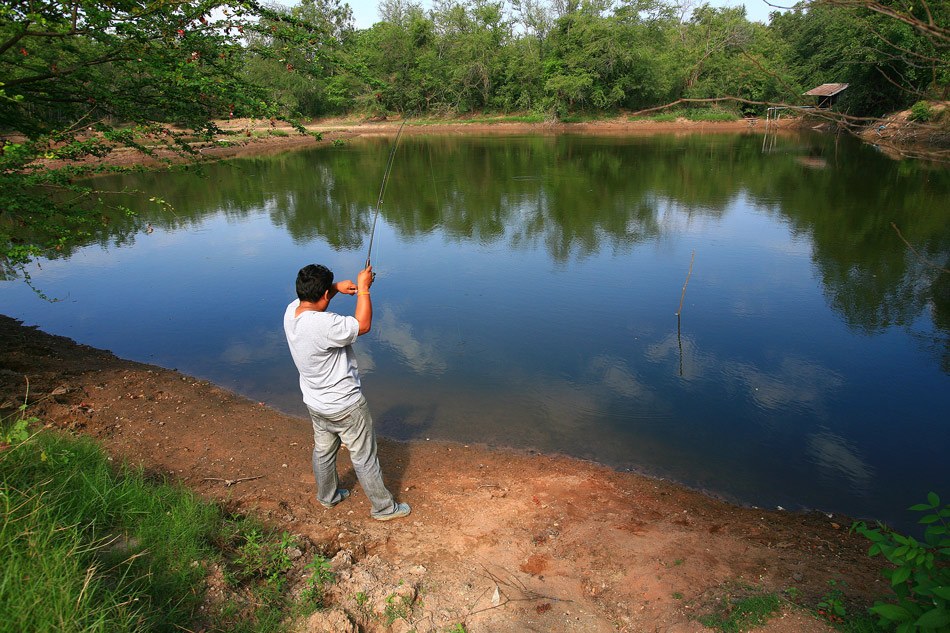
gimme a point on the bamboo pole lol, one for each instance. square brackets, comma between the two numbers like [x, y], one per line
[683, 296]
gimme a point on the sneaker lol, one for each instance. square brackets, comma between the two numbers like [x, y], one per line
[402, 509]
[343, 492]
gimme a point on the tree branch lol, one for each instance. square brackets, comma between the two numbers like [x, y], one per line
[61, 73]
[903, 88]
[929, 28]
[914, 251]
[54, 34]
[910, 53]
[13, 40]
[775, 76]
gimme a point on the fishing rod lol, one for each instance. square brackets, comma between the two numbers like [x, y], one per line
[382, 192]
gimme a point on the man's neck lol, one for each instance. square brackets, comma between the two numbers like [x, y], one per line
[311, 306]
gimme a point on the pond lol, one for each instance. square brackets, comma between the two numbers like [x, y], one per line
[527, 294]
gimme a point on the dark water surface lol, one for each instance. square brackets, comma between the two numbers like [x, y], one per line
[526, 296]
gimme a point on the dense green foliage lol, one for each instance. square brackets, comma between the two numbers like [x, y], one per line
[82, 77]
[82, 63]
[465, 56]
[90, 547]
[920, 576]
[921, 111]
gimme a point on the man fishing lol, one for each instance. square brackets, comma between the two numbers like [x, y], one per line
[321, 345]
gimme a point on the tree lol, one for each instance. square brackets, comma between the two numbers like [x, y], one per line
[585, 63]
[914, 34]
[401, 55]
[711, 32]
[605, 56]
[645, 29]
[892, 54]
[536, 20]
[723, 54]
[83, 77]
[315, 77]
[472, 40]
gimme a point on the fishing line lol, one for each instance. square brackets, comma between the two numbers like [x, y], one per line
[382, 192]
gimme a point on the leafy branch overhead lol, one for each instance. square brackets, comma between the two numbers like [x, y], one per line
[82, 78]
[67, 66]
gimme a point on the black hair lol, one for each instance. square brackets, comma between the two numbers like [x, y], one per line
[313, 281]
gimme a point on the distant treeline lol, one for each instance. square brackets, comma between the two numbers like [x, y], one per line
[596, 56]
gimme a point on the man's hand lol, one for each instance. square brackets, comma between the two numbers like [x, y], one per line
[365, 279]
[364, 307]
[345, 287]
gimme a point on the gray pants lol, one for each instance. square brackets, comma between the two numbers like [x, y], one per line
[354, 427]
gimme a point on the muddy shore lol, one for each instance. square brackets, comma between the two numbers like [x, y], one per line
[498, 540]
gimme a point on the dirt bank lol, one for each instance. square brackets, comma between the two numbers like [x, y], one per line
[243, 137]
[897, 135]
[568, 545]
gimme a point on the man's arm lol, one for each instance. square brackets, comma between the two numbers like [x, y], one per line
[345, 287]
[364, 306]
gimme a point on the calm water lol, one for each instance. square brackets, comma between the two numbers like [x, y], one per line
[526, 296]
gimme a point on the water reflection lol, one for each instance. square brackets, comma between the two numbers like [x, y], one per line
[423, 355]
[796, 382]
[527, 290]
[636, 193]
[614, 374]
[682, 349]
[260, 346]
[836, 457]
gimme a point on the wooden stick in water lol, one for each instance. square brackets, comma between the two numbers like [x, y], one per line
[683, 296]
[914, 251]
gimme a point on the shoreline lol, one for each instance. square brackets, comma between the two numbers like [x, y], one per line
[570, 544]
[247, 137]
[894, 135]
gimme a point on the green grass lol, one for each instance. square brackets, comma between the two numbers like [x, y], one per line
[86, 549]
[694, 114]
[861, 624]
[665, 117]
[485, 119]
[743, 614]
[743, 608]
[581, 117]
[89, 547]
[267, 133]
[712, 114]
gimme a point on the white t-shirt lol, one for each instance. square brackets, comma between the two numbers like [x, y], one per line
[320, 343]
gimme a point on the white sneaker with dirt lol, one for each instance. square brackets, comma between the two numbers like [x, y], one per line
[402, 509]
